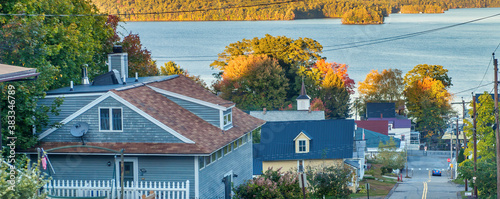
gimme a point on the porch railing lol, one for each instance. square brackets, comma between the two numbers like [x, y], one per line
[109, 190]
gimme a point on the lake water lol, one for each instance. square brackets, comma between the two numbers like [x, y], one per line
[464, 50]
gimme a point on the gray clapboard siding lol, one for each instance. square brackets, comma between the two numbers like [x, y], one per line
[238, 160]
[136, 128]
[80, 167]
[69, 106]
[208, 114]
[168, 169]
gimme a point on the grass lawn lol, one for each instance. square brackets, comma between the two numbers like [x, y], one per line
[377, 188]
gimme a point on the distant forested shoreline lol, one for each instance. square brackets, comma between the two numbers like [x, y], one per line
[351, 11]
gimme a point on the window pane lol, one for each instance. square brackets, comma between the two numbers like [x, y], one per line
[225, 120]
[229, 118]
[240, 141]
[229, 147]
[104, 113]
[207, 160]
[225, 150]
[219, 153]
[235, 144]
[117, 119]
[214, 157]
[302, 145]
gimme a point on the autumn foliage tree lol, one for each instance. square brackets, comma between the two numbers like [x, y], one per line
[427, 101]
[290, 54]
[139, 58]
[331, 83]
[254, 82]
[386, 86]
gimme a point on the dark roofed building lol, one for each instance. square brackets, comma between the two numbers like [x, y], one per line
[380, 110]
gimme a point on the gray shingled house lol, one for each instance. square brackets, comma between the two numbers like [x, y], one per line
[172, 130]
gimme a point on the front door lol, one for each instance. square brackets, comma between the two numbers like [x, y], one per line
[227, 187]
[130, 171]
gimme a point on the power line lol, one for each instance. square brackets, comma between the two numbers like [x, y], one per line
[154, 13]
[404, 36]
[476, 87]
[487, 68]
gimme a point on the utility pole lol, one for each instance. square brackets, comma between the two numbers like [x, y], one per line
[475, 142]
[456, 149]
[465, 139]
[495, 64]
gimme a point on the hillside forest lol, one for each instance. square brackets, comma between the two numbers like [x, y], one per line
[351, 11]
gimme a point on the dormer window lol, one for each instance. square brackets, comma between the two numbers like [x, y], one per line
[228, 118]
[302, 142]
[110, 119]
[302, 146]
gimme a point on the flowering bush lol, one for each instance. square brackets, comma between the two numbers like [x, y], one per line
[20, 182]
[272, 184]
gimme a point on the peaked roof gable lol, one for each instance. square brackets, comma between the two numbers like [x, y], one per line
[303, 133]
[190, 99]
[379, 126]
[124, 102]
[186, 87]
[206, 136]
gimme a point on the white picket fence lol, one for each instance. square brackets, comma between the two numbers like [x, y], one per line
[108, 190]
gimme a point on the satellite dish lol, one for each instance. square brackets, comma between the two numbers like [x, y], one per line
[79, 129]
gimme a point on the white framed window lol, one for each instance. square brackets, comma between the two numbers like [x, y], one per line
[219, 154]
[110, 119]
[302, 145]
[228, 119]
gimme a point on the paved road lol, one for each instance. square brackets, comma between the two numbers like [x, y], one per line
[422, 185]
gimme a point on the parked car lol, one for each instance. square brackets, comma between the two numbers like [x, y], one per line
[436, 172]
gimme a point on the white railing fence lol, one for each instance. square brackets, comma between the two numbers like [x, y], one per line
[108, 190]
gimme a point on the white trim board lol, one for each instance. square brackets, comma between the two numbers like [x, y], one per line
[126, 103]
[76, 95]
[190, 99]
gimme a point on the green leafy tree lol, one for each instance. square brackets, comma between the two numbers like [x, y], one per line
[485, 175]
[254, 82]
[27, 181]
[329, 181]
[484, 124]
[56, 46]
[427, 98]
[389, 157]
[171, 68]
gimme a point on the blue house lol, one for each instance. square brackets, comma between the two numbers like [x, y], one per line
[289, 144]
[373, 140]
[172, 130]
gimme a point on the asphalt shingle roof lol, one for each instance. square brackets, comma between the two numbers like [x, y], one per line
[207, 137]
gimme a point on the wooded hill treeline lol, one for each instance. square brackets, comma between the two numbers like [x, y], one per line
[351, 11]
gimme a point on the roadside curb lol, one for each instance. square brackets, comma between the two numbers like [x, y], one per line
[392, 190]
